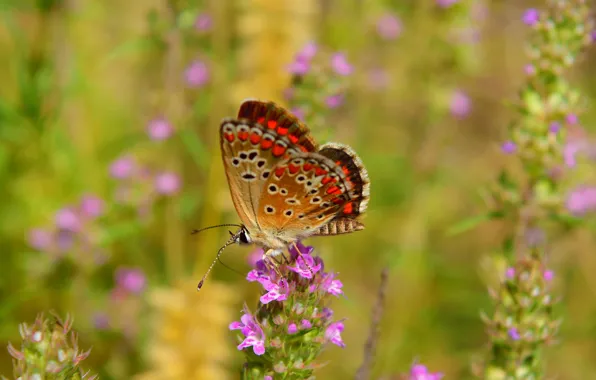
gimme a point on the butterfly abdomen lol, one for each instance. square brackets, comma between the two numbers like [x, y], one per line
[340, 226]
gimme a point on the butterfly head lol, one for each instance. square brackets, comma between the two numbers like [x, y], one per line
[242, 236]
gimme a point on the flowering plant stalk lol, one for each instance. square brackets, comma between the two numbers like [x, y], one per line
[523, 321]
[49, 351]
[293, 321]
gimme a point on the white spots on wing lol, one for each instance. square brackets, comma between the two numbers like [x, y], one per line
[288, 213]
[300, 178]
[269, 210]
[242, 128]
[228, 128]
[298, 161]
[248, 176]
[272, 189]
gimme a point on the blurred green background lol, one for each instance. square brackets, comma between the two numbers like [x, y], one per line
[96, 205]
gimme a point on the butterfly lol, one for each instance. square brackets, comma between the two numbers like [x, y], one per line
[283, 185]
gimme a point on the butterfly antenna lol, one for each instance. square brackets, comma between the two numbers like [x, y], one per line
[232, 240]
[194, 232]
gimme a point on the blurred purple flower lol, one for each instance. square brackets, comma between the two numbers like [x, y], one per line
[333, 333]
[299, 67]
[203, 22]
[446, 3]
[513, 333]
[420, 372]
[292, 328]
[40, 239]
[299, 113]
[340, 64]
[530, 70]
[122, 167]
[548, 275]
[460, 104]
[389, 26]
[197, 74]
[92, 206]
[308, 51]
[159, 129]
[305, 324]
[571, 149]
[67, 219]
[254, 336]
[332, 286]
[510, 273]
[101, 321]
[334, 101]
[581, 201]
[167, 183]
[131, 280]
[64, 240]
[255, 256]
[571, 119]
[508, 147]
[531, 17]
[554, 127]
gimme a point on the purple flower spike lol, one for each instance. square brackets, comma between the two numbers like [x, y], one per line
[333, 334]
[332, 286]
[167, 183]
[340, 64]
[197, 74]
[531, 17]
[159, 129]
[420, 372]
[255, 337]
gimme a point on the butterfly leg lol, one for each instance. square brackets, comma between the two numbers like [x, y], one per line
[271, 262]
[303, 260]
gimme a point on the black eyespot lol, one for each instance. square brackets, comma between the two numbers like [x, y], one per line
[243, 156]
[249, 176]
[313, 191]
[265, 175]
[316, 199]
[269, 209]
[261, 163]
[252, 155]
[283, 192]
[309, 183]
[300, 216]
[235, 161]
[272, 188]
[320, 216]
[300, 178]
[288, 212]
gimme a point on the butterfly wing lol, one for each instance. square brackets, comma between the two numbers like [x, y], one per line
[251, 145]
[304, 193]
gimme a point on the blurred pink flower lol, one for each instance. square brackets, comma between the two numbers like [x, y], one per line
[197, 74]
[40, 239]
[340, 64]
[67, 219]
[167, 183]
[92, 206]
[159, 129]
[122, 168]
[460, 104]
[203, 22]
[389, 27]
[131, 280]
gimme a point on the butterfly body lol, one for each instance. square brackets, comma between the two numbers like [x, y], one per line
[284, 187]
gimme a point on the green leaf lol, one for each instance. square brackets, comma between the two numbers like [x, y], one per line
[471, 222]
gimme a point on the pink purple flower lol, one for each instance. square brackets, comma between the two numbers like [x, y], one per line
[131, 280]
[159, 129]
[305, 266]
[460, 104]
[254, 336]
[292, 328]
[92, 206]
[276, 291]
[389, 26]
[571, 119]
[531, 17]
[581, 200]
[340, 64]
[68, 219]
[513, 333]
[334, 101]
[446, 3]
[548, 275]
[333, 333]
[197, 74]
[167, 183]
[510, 273]
[203, 22]
[508, 147]
[40, 239]
[554, 127]
[122, 168]
[420, 372]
